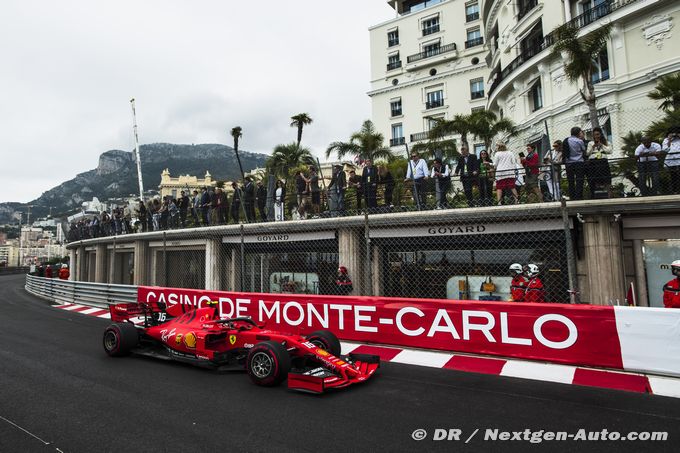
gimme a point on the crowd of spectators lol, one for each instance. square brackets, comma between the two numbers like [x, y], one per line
[515, 176]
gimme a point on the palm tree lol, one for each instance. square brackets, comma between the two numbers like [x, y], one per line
[366, 143]
[460, 125]
[287, 157]
[667, 90]
[446, 150]
[580, 62]
[485, 126]
[299, 121]
[236, 133]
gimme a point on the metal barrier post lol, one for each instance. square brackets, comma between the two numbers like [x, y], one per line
[571, 261]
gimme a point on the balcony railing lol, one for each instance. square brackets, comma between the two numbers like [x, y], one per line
[526, 8]
[471, 17]
[578, 22]
[434, 104]
[397, 141]
[393, 65]
[474, 42]
[431, 53]
[430, 30]
[420, 136]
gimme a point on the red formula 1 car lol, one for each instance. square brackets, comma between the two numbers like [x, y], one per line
[312, 363]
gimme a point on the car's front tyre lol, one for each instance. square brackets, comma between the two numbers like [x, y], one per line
[268, 363]
[326, 340]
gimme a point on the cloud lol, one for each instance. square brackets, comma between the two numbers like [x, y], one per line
[196, 69]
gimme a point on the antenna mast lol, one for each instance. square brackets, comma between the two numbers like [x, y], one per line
[137, 156]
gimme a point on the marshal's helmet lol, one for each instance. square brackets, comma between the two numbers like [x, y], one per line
[675, 268]
[516, 269]
[532, 270]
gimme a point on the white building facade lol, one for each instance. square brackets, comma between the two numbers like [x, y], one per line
[527, 84]
[427, 63]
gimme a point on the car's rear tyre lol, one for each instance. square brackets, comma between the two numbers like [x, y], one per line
[120, 338]
[325, 340]
[268, 363]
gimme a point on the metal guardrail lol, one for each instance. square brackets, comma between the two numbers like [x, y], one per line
[99, 295]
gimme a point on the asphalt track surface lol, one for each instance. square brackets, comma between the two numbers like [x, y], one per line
[60, 392]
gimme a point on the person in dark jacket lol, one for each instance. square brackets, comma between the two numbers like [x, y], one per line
[468, 169]
[261, 199]
[369, 182]
[336, 191]
[235, 202]
[205, 206]
[249, 199]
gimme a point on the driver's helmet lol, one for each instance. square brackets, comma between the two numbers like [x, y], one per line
[515, 269]
[675, 268]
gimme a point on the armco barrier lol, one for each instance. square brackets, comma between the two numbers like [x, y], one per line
[634, 339]
[92, 294]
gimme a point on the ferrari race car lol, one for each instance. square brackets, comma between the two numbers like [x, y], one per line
[312, 363]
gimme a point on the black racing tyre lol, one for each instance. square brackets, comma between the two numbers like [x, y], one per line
[326, 340]
[120, 338]
[268, 363]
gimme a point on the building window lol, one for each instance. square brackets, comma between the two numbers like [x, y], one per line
[393, 61]
[601, 67]
[524, 7]
[430, 25]
[474, 38]
[471, 12]
[395, 107]
[432, 49]
[432, 121]
[397, 135]
[392, 38]
[434, 99]
[536, 96]
[477, 88]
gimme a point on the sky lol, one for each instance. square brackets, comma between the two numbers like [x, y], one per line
[195, 68]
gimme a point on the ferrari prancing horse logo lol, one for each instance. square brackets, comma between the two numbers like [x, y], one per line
[232, 339]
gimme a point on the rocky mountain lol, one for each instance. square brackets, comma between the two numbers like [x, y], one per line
[116, 175]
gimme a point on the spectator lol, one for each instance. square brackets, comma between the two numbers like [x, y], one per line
[141, 215]
[173, 213]
[531, 166]
[505, 169]
[214, 205]
[343, 283]
[300, 212]
[354, 181]
[554, 159]
[48, 271]
[315, 191]
[336, 191]
[574, 152]
[417, 171]
[442, 182]
[164, 213]
[468, 169]
[671, 146]
[235, 203]
[388, 181]
[648, 166]
[196, 208]
[300, 186]
[127, 219]
[369, 182]
[205, 206]
[597, 169]
[671, 290]
[183, 205]
[279, 200]
[249, 199]
[486, 173]
[64, 274]
[261, 199]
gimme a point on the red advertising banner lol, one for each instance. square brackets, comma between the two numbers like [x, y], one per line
[569, 334]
